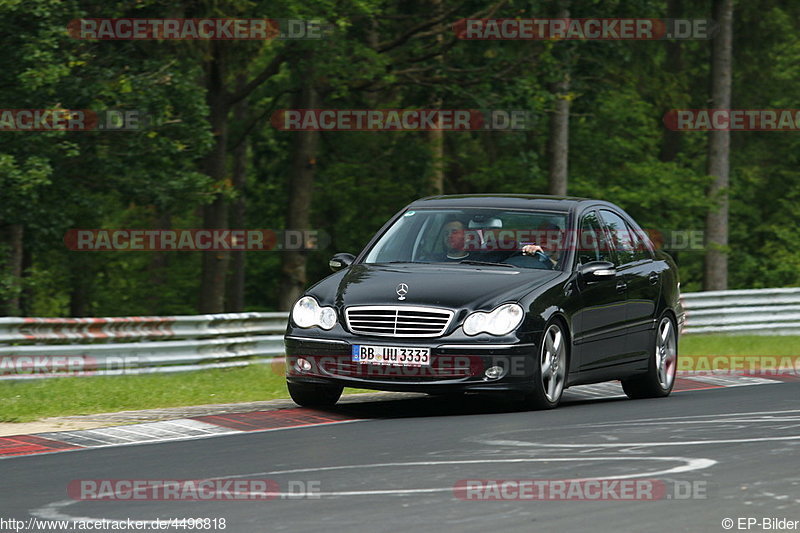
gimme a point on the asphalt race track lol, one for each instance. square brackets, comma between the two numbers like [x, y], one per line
[395, 465]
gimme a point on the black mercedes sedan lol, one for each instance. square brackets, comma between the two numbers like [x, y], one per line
[519, 294]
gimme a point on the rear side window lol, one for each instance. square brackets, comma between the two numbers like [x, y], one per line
[592, 243]
[641, 245]
[621, 237]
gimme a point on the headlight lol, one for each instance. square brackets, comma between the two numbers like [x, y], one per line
[501, 321]
[307, 313]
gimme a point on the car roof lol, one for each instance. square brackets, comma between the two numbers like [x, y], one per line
[508, 201]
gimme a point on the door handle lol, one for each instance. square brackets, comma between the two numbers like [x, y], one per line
[622, 286]
[653, 278]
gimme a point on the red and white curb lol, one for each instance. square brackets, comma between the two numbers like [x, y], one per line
[166, 431]
[684, 382]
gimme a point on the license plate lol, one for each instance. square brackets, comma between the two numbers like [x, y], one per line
[391, 355]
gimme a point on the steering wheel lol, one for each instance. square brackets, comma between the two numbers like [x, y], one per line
[542, 257]
[539, 260]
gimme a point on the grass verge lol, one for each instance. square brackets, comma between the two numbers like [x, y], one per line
[24, 401]
[741, 353]
[739, 345]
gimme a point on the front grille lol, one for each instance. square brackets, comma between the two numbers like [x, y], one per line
[398, 321]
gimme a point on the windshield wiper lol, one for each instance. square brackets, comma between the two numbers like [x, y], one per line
[485, 263]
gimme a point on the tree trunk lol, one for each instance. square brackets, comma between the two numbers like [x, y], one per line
[558, 139]
[11, 245]
[26, 302]
[558, 142]
[81, 276]
[671, 139]
[235, 303]
[215, 215]
[157, 269]
[436, 138]
[716, 259]
[303, 164]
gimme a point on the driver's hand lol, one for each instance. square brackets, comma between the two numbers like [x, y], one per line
[530, 249]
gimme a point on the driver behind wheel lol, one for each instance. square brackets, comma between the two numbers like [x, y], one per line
[550, 244]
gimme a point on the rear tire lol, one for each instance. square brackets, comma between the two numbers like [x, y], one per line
[551, 369]
[307, 395]
[660, 377]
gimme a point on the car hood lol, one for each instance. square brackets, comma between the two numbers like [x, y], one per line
[449, 286]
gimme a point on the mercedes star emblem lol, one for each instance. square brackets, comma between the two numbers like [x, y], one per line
[402, 290]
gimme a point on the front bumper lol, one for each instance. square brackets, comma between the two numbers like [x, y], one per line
[455, 366]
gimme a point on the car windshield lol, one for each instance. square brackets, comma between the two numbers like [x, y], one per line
[474, 236]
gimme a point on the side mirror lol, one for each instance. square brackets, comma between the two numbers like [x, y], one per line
[340, 261]
[597, 271]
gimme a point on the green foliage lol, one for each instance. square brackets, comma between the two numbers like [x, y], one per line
[52, 182]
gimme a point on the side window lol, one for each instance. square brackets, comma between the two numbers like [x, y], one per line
[592, 243]
[621, 237]
[640, 244]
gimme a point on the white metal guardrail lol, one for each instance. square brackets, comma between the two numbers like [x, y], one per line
[744, 312]
[47, 347]
[16, 329]
[54, 347]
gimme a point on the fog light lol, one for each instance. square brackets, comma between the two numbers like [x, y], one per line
[494, 372]
[303, 364]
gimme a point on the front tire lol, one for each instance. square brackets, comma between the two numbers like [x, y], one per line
[551, 370]
[660, 377]
[309, 395]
